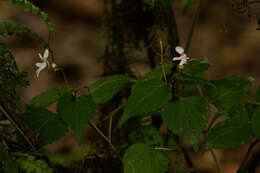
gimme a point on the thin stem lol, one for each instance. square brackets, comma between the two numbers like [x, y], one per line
[64, 77]
[110, 128]
[181, 155]
[17, 127]
[195, 19]
[216, 160]
[106, 140]
[244, 161]
[162, 62]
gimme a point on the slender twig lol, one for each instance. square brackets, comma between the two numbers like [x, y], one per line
[216, 160]
[212, 123]
[113, 149]
[17, 127]
[110, 128]
[244, 161]
[195, 19]
[64, 77]
[162, 62]
[164, 149]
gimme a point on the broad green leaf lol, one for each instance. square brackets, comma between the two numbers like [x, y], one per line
[146, 97]
[230, 133]
[156, 73]
[256, 122]
[76, 112]
[173, 144]
[104, 89]
[49, 125]
[229, 92]
[140, 158]
[187, 117]
[48, 97]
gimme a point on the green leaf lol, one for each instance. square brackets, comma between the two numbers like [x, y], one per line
[47, 124]
[173, 144]
[104, 89]
[76, 112]
[228, 93]
[48, 97]
[156, 73]
[140, 158]
[256, 122]
[146, 97]
[230, 133]
[187, 117]
[148, 135]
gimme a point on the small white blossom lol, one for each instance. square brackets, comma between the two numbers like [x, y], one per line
[42, 65]
[183, 57]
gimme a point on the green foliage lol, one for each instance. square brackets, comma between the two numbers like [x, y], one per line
[104, 89]
[187, 117]
[148, 135]
[48, 97]
[29, 7]
[146, 97]
[31, 165]
[156, 73]
[257, 95]
[228, 93]
[230, 133]
[11, 28]
[187, 3]
[140, 158]
[76, 112]
[46, 124]
[256, 122]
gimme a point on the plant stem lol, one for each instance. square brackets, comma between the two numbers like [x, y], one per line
[181, 155]
[216, 160]
[195, 19]
[244, 161]
[17, 127]
[106, 140]
[162, 62]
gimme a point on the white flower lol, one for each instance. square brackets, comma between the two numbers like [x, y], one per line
[183, 57]
[42, 65]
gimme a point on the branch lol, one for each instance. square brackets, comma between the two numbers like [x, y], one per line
[113, 149]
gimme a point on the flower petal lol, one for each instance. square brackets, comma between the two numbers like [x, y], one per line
[176, 58]
[39, 64]
[41, 67]
[183, 61]
[40, 55]
[179, 49]
[46, 54]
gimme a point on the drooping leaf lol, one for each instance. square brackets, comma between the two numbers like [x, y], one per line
[230, 133]
[49, 125]
[48, 97]
[229, 92]
[76, 112]
[140, 158]
[156, 74]
[104, 89]
[256, 122]
[146, 97]
[187, 117]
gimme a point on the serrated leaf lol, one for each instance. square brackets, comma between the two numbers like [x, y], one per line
[187, 117]
[146, 97]
[230, 133]
[156, 74]
[229, 92]
[48, 97]
[76, 112]
[46, 123]
[140, 158]
[256, 122]
[104, 89]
